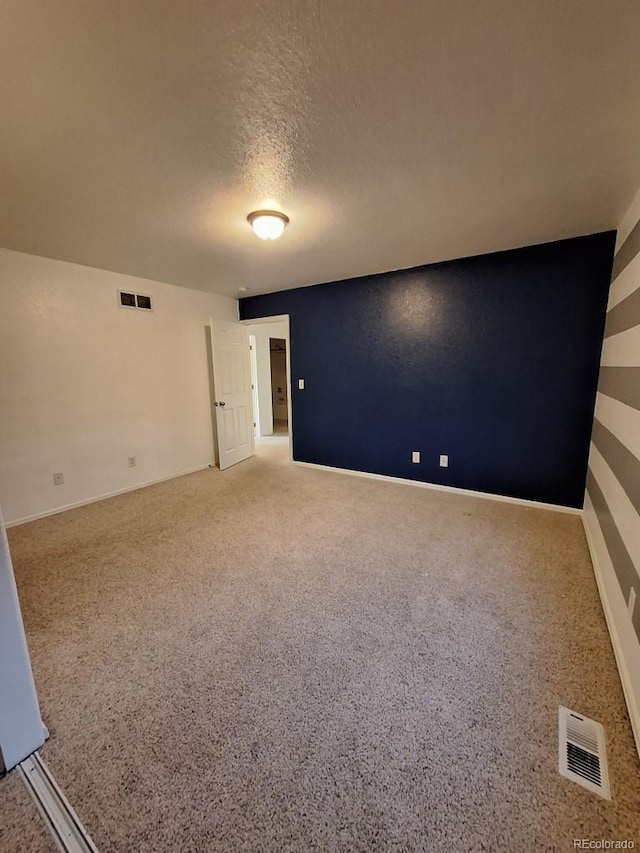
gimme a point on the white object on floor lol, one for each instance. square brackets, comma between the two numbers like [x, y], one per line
[582, 756]
[61, 820]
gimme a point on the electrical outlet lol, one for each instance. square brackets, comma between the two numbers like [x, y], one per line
[444, 460]
[415, 456]
[301, 384]
[132, 462]
[631, 603]
[58, 479]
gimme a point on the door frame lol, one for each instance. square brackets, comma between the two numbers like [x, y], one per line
[281, 318]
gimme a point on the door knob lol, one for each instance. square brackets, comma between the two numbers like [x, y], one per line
[221, 403]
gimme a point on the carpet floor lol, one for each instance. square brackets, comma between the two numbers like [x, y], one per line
[276, 658]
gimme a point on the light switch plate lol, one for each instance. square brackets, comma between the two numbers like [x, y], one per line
[301, 384]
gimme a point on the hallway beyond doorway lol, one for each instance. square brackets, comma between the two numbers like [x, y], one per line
[270, 371]
[275, 447]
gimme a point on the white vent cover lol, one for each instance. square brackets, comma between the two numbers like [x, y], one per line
[581, 752]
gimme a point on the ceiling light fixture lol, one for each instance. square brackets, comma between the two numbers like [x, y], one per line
[268, 224]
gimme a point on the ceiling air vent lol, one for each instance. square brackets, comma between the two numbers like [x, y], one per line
[581, 755]
[135, 300]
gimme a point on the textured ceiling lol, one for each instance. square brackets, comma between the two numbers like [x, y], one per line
[136, 136]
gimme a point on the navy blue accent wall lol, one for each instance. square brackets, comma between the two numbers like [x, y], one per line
[492, 360]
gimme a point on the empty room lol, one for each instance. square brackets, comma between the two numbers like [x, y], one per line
[319, 426]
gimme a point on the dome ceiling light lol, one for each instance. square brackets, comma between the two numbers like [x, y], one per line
[268, 224]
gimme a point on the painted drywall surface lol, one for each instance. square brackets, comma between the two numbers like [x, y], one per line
[492, 360]
[263, 332]
[612, 506]
[85, 383]
[21, 728]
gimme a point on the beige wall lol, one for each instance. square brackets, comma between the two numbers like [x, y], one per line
[85, 384]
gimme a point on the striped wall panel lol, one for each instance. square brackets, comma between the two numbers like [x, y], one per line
[612, 502]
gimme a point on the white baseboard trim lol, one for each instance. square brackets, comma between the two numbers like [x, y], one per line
[623, 638]
[437, 487]
[27, 518]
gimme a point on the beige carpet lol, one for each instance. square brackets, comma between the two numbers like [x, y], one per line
[276, 658]
[21, 830]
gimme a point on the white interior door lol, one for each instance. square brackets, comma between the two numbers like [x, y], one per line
[232, 390]
[254, 385]
[21, 728]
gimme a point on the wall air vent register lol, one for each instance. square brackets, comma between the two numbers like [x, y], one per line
[134, 300]
[582, 756]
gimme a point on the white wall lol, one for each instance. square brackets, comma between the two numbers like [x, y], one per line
[262, 332]
[84, 383]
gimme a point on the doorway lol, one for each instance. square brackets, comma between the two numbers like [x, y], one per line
[271, 381]
[279, 385]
